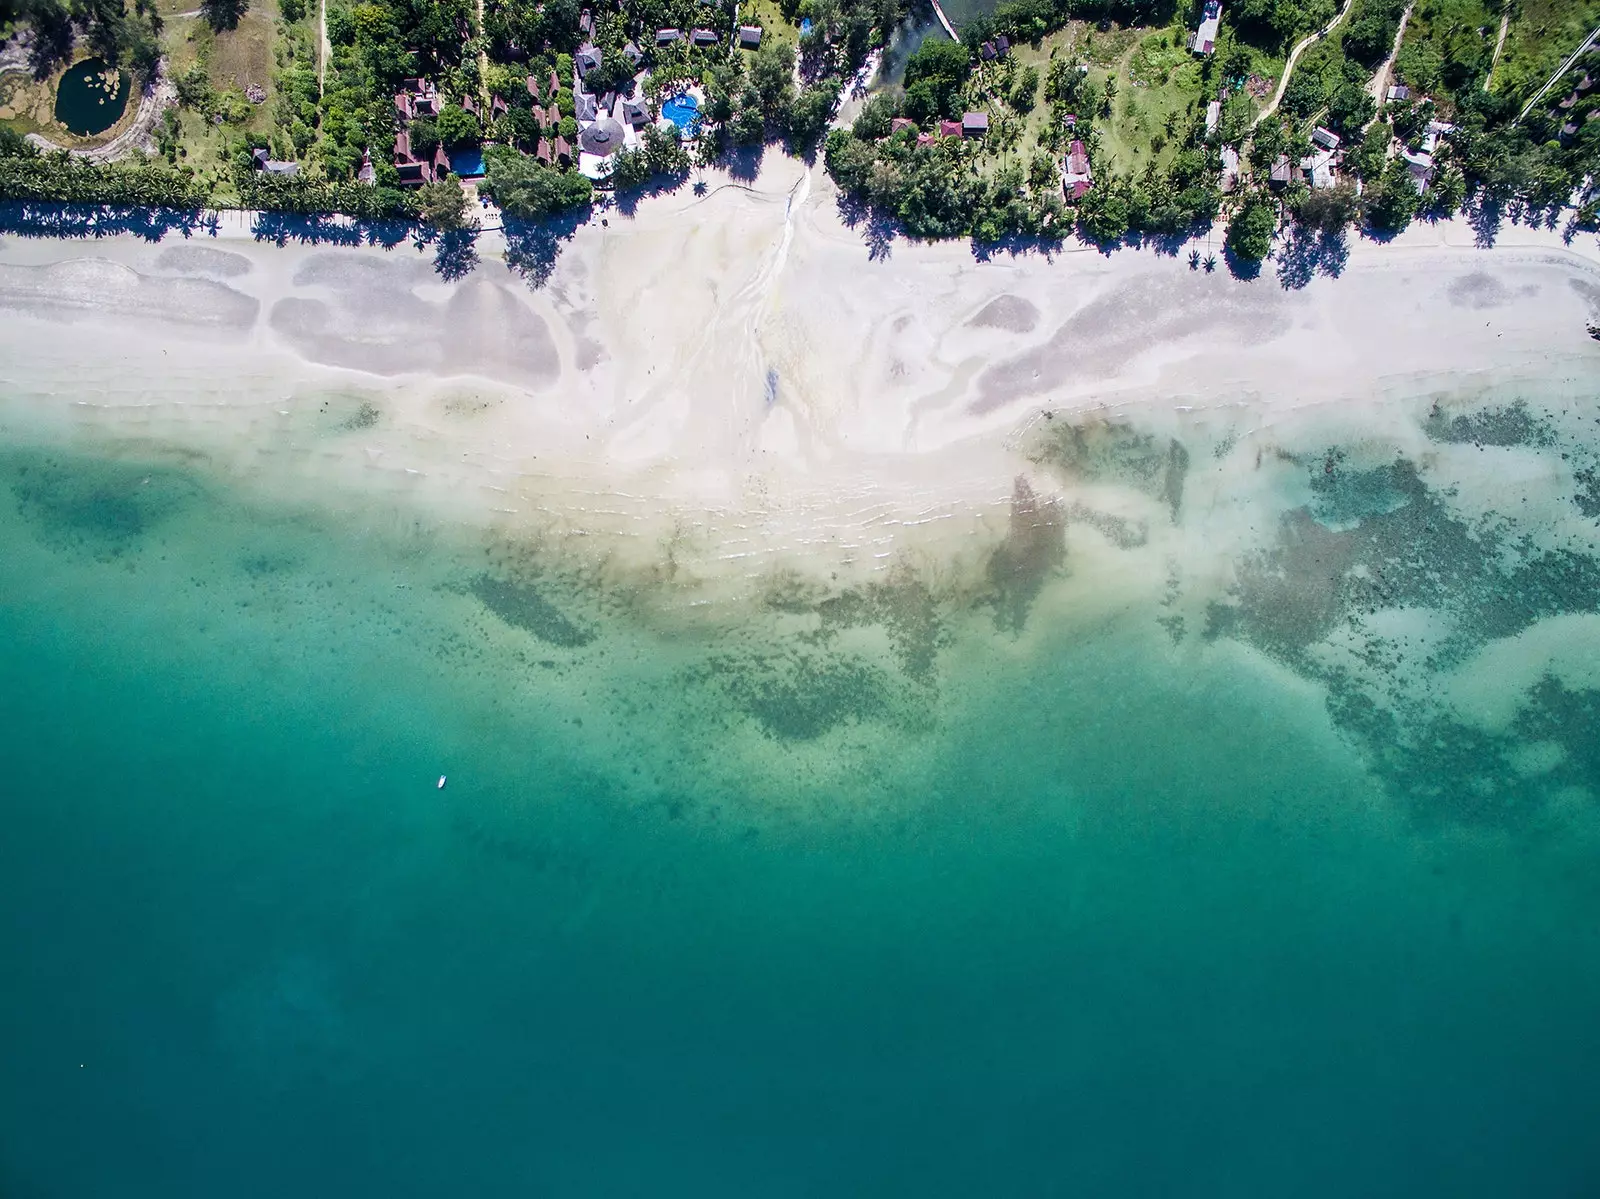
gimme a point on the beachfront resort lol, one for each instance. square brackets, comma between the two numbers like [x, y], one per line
[1038, 119]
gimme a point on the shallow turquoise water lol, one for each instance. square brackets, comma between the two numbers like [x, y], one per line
[1158, 919]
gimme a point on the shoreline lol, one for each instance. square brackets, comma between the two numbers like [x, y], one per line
[736, 375]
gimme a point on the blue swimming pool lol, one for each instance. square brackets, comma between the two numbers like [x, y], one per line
[467, 161]
[683, 110]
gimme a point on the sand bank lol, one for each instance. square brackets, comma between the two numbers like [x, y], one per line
[730, 377]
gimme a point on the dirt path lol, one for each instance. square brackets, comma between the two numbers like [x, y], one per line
[1301, 47]
[153, 101]
[483, 65]
[1380, 82]
[1499, 44]
[324, 47]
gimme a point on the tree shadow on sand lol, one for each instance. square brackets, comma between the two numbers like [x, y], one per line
[455, 255]
[26, 219]
[1307, 254]
[319, 229]
[1244, 269]
[744, 162]
[1017, 245]
[532, 248]
[627, 202]
[1484, 218]
[877, 230]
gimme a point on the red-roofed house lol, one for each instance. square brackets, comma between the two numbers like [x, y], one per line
[1076, 177]
[949, 128]
[899, 123]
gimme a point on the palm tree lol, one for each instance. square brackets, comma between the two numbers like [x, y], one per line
[1211, 263]
[1194, 260]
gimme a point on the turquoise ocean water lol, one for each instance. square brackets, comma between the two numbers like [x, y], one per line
[1124, 907]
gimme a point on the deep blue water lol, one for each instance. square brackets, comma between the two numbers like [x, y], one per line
[1153, 923]
[467, 161]
[84, 104]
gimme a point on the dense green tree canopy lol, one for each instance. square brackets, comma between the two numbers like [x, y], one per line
[527, 190]
[934, 78]
[1251, 229]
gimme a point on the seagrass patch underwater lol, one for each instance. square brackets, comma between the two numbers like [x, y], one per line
[1229, 829]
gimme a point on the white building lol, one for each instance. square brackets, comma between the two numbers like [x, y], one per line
[1204, 40]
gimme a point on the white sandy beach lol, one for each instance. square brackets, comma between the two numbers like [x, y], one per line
[631, 393]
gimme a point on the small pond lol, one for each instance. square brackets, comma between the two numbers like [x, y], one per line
[91, 97]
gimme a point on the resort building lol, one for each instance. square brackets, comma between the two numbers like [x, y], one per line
[1230, 169]
[974, 124]
[274, 166]
[416, 98]
[1398, 92]
[1076, 178]
[1204, 40]
[635, 113]
[1326, 138]
[949, 128]
[1318, 169]
[703, 37]
[1419, 166]
[587, 60]
[749, 37]
[665, 37]
[598, 143]
[899, 123]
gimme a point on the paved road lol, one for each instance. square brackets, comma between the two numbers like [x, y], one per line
[1499, 42]
[1560, 71]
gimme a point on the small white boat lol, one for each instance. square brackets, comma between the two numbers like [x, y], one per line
[441, 782]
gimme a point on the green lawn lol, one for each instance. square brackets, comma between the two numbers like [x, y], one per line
[1158, 84]
[769, 16]
[1157, 79]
